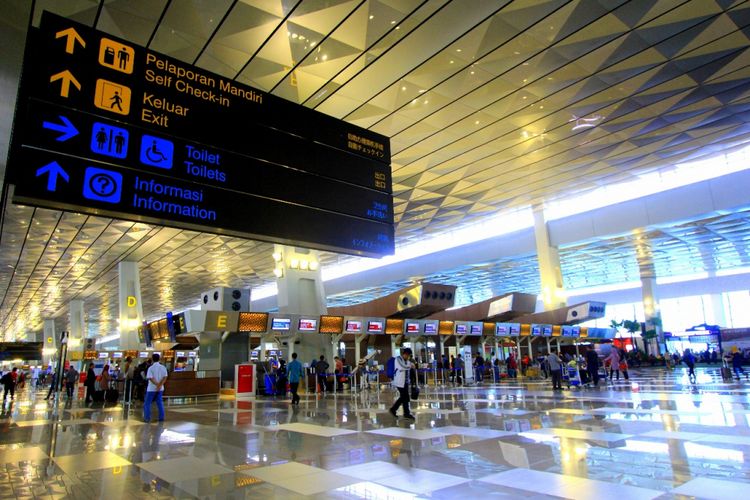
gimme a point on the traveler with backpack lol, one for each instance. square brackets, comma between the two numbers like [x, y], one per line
[402, 366]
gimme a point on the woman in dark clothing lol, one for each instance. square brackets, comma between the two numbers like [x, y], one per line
[89, 383]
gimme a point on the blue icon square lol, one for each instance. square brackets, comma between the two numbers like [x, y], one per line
[109, 140]
[102, 185]
[156, 152]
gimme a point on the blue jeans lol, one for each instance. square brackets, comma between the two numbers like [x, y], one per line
[152, 396]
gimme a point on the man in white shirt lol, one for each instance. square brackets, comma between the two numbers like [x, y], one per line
[157, 377]
[401, 380]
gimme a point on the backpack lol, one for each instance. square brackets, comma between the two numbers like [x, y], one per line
[390, 368]
[6, 379]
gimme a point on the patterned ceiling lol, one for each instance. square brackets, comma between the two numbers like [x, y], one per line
[490, 105]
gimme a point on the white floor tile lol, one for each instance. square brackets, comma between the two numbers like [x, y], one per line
[315, 430]
[577, 488]
[317, 482]
[275, 474]
[578, 434]
[479, 432]
[84, 462]
[421, 481]
[419, 434]
[174, 470]
[713, 489]
[372, 471]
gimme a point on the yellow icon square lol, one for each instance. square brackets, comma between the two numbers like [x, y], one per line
[112, 96]
[116, 56]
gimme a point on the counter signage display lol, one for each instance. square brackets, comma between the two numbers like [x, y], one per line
[192, 354]
[353, 326]
[575, 331]
[307, 325]
[536, 330]
[476, 330]
[281, 324]
[107, 127]
[103, 355]
[514, 329]
[180, 354]
[547, 330]
[116, 355]
[144, 354]
[375, 326]
[412, 327]
[430, 328]
[461, 329]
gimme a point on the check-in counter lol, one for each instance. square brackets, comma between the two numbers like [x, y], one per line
[191, 383]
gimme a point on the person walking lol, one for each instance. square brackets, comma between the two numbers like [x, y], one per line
[9, 383]
[71, 381]
[295, 374]
[512, 366]
[321, 369]
[737, 364]
[53, 385]
[157, 377]
[624, 366]
[459, 370]
[555, 367]
[689, 358]
[90, 383]
[613, 360]
[129, 376]
[401, 378]
[592, 365]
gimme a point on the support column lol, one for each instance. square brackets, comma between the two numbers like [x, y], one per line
[550, 274]
[76, 334]
[51, 343]
[131, 308]
[651, 308]
[301, 291]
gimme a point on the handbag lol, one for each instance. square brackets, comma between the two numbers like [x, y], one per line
[623, 366]
[414, 392]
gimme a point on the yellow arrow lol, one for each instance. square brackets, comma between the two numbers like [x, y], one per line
[67, 78]
[72, 37]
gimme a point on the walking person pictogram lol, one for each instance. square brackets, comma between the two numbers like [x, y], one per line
[116, 101]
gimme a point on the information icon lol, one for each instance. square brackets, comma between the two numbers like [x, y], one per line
[102, 185]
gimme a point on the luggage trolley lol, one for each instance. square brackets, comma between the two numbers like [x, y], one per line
[571, 376]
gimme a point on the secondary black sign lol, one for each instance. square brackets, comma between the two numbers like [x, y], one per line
[105, 114]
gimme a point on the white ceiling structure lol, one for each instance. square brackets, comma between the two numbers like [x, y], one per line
[490, 105]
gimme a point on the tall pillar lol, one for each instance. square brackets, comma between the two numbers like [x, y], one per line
[717, 301]
[51, 343]
[301, 291]
[651, 309]
[131, 309]
[550, 274]
[77, 330]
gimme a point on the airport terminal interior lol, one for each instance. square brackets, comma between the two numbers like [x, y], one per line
[528, 219]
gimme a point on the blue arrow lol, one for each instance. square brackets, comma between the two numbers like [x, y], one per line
[54, 170]
[67, 129]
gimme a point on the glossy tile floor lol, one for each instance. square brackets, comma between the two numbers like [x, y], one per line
[656, 436]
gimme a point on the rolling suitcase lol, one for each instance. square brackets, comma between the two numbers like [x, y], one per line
[726, 374]
[98, 396]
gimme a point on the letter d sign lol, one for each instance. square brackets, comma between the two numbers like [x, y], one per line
[131, 301]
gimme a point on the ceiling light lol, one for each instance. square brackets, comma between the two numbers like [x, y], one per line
[393, 22]
[314, 265]
[458, 50]
[303, 264]
[277, 256]
[278, 272]
[371, 16]
[294, 263]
